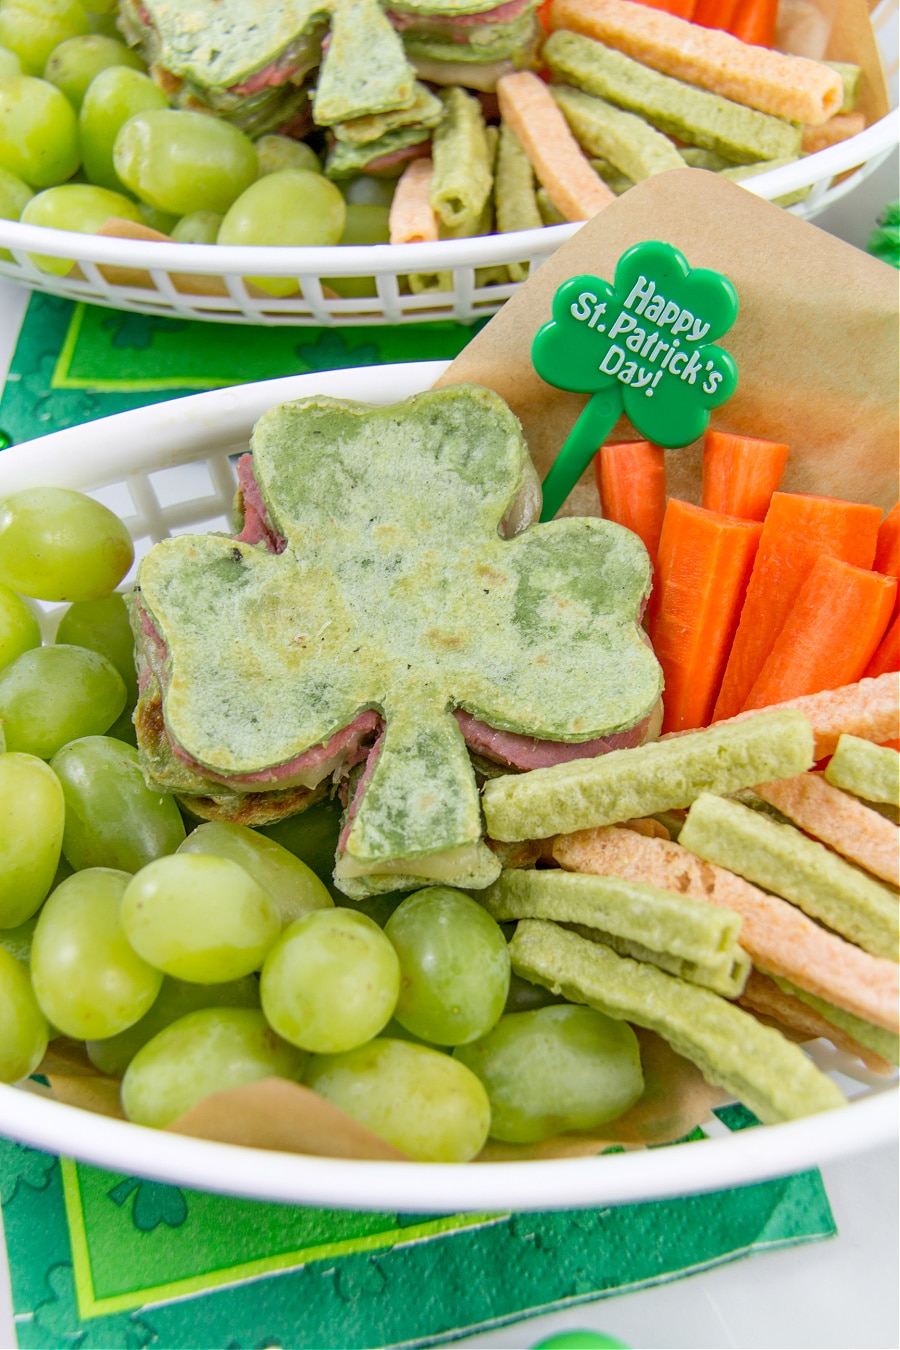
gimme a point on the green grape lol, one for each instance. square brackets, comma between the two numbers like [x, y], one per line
[211, 1050]
[18, 940]
[555, 1069]
[312, 835]
[524, 996]
[112, 97]
[294, 888]
[275, 153]
[367, 223]
[74, 206]
[163, 221]
[410, 1095]
[330, 982]
[38, 132]
[23, 1027]
[113, 819]
[291, 207]
[200, 918]
[32, 28]
[9, 63]
[52, 695]
[19, 629]
[31, 831]
[74, 63]
[368, 191]
[198, 227]
[176, 998]
[454, 966]
[88, 979]
[102, 626]
[56, 544]
[14, 196]
[184, 161]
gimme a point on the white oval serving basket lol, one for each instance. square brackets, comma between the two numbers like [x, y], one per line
[167, 469]
[206, 281]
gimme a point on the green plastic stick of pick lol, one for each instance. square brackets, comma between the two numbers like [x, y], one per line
[643, 346]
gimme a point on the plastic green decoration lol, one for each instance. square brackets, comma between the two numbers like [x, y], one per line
[643, 346]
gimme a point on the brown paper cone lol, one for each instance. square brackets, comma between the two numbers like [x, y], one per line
[815, 341]
[277, 1114]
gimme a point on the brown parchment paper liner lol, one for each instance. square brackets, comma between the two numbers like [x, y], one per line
[816, 339]
[287, 1117]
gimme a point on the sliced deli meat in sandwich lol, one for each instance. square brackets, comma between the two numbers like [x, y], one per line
[245, 60]
[469, 42]
[372, 621]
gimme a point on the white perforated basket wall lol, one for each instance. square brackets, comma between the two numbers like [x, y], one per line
[167, 469]
[204, 281]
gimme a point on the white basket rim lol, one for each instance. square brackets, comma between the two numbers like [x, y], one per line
[375, 259]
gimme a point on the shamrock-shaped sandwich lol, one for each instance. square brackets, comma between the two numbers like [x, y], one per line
[382, 616]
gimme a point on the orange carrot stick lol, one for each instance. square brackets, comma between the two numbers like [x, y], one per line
[703, 565]
[797, 529]
[754, 22]
[830, 635]
[682, 9]
[887, 655]
[631, 480]
[740, 474]
[887, 550]
[715, 13]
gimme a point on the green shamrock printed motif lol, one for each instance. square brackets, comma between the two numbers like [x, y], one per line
[154, 1203]
[645, 345]
[397, 593]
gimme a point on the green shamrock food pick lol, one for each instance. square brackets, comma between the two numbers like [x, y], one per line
[643, 346]
[395, 592]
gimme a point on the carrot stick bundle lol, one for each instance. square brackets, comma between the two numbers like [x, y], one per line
[631, 480]
[830, 635]
[887, 550]
[715, 13]
[797, 529]
[887, 656]
[703, 565]
[754, 22]
[740, 474]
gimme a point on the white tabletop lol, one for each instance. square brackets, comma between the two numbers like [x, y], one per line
[836, 1295]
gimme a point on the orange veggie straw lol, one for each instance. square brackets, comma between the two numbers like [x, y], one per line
[715, 13]
[754, 22]
[704, 563]
[838, 128]
[870, 709]
[631, 480]
[830, 635]
[887, 655]
[840, 820]
[887, 550]
[797, 529]
[773, 82]
[740, 473]
[529, 109]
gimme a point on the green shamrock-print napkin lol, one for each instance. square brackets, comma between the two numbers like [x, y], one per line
[100, 1259]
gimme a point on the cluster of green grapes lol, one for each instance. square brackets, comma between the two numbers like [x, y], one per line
[86, 135]
[197, 958]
